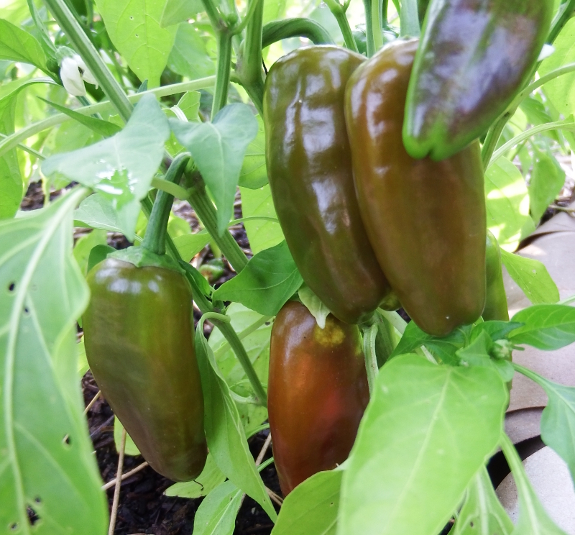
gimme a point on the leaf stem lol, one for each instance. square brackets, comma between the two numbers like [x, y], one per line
[155, 238]
[204, 207]
[338, 12]
[252, 7]
[370, 27]
[297, 27]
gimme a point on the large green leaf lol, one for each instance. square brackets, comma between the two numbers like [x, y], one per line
[46, 463]
[189, 56]
[546, 327]
[254, 331]
[560, 90]
[254, 174]
[507, 204]
[210, 478]
[218, 150]
[267, 282]
[121, 167]
[482, 512]
[532, 277]
[533, 519]
[225, 432]
[546, 182]
[217, 513]
[262, 233]
[19, 45]
[427, 431]
[134, 28]
[558, 419]
[312, 507]
[175, 11]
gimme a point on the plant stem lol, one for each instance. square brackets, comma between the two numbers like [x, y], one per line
[252, 7]
[339, 13]
[369, 336]
[369, 27]
[564, 14]
[409, 19]
[173, 189]
[231, 336]
[224, 39]
[204, 207]
[376, 9]
[90, 55]
[297, 27]
[155, 238]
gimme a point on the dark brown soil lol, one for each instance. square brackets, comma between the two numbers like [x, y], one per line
[143, 508]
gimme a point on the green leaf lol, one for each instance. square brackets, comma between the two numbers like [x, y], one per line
[224, 430]
[254, 331]
[426, 432]
[130, 448]
[547, 327]
[533, 519]
[313, 303]
[482, 512]
[560, 90]
[120, 168]
[547, 180]
[266, 283]
[262, 233]
[218, 150]
[176, 11]
[99, 126]
[134, 28]
[46, 462]
[443, 348]
[190, 245]
[507, 203]
[558, 418]
[532, 277]
[84, 247]
[254, 174]
[216, 515]
[210, 478]
[497, 330]
[98, 254]
[97, 212]
[312, 506]
[189, 56]
[20, 45]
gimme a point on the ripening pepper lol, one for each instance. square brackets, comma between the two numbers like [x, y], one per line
[496, 307]
[309, 168]
[474, 56]
[425, 220]
[317, 393]
[139, 345]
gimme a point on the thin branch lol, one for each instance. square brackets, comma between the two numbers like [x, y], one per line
[116, 501]
[113, 482]
[91, 404]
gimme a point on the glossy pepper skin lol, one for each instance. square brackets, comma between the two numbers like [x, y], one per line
[140, 349]
[426, 220]
[309, 169]
[317, 393]
[496, 307]
[475, 55]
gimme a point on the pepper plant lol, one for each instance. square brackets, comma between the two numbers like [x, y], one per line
[110, 100]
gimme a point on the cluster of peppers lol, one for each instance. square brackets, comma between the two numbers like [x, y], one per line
[377, 181]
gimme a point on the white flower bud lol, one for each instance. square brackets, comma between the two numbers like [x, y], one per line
[73, 72]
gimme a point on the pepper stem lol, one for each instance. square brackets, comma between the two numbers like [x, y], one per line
[155, 238]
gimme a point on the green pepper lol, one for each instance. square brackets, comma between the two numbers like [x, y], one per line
[496, 300]
[317, 393]
[139, 345]
[309, 169]
[426, 220]
[474, 56]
